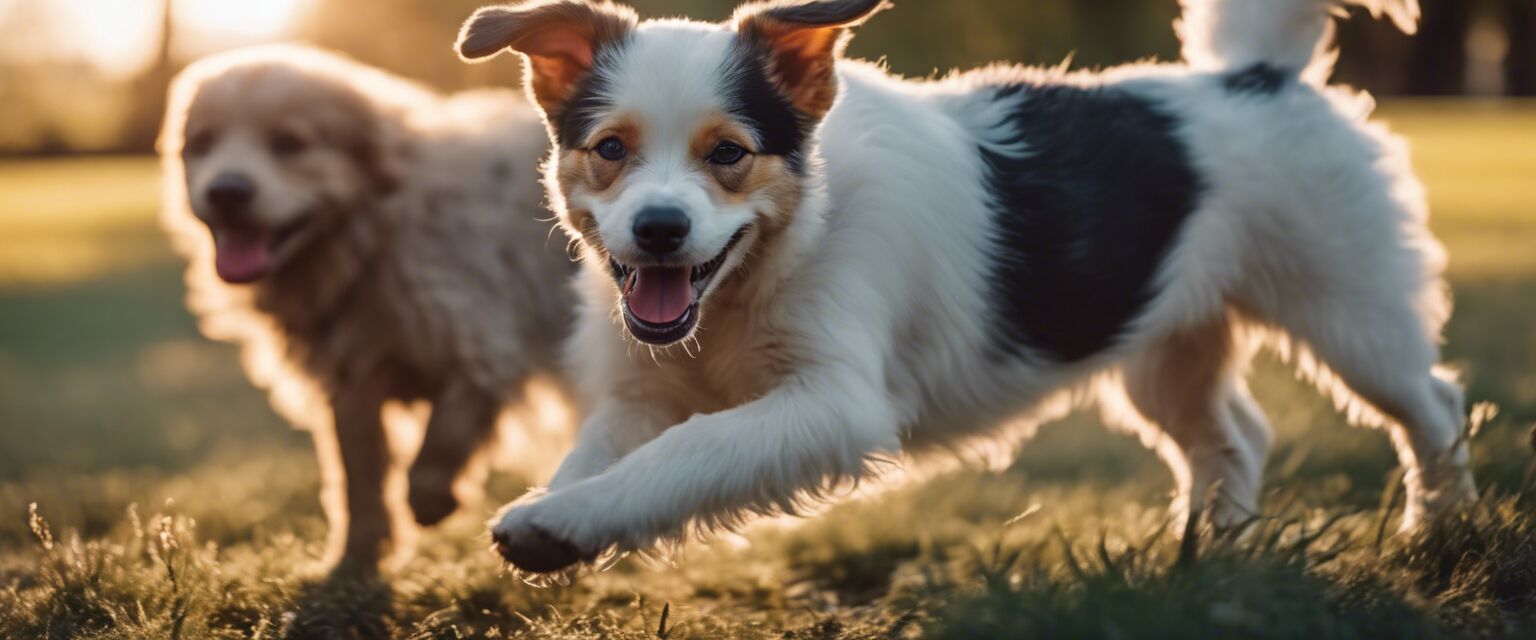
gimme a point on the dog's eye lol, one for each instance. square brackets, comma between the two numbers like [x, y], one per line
[611, 149]
[727, 153]
[287, 144]
[199, 144]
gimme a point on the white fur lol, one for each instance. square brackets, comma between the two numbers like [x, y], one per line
[861, 334]
[1292, 34]
[671, 76]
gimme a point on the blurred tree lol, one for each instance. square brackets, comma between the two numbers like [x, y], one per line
[1437, 59]
[1519, 20]
[148, 89]
[53, 100]
[415, 38]
[409, 37]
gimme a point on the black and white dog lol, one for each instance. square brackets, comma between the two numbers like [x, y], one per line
[826, 265]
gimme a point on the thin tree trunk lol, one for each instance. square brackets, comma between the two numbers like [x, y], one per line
[1437, 59]
[148, 89]
[1520, 62]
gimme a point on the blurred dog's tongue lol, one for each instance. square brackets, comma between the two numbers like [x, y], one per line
[242, 255]
[660, 295]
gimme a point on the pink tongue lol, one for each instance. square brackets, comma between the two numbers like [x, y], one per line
[660, 295]
[242, 254]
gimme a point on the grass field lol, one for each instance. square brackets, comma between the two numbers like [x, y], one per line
[172, 503]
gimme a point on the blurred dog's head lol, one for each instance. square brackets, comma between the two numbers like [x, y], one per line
[274, 144]
[680, 145]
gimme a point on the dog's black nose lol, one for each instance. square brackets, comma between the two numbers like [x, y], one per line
[661, 230]
[231, 191]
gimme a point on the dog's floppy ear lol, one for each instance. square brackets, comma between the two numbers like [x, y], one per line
[802, 40]
[559, 38]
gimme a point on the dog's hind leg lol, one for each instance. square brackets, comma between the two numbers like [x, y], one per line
[463, 419]
[1371, 348]
[1363, 303]
[1191, 405]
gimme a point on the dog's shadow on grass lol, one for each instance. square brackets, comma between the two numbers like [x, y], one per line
[341, 606]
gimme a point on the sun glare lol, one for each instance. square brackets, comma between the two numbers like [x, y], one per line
[117, 32]
[121, 33]
[244, 17]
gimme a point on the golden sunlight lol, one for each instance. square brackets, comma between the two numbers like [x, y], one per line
[122, 33]
[256, 19]
[115, 35]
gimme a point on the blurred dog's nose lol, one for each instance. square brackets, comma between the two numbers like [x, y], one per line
[661, 230]
[231, 191]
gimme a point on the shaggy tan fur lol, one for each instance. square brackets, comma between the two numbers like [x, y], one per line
[415, 264]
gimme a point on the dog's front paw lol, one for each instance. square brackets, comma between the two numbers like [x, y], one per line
[536, 550]
[526, 537]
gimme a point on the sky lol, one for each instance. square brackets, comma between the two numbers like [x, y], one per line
[119, 35]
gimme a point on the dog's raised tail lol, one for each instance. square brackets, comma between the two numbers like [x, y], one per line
[1293, 35]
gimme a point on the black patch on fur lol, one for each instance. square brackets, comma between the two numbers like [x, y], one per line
[754, 100]
[823, 12]
[1256, 79]
[1084, 219]
[588, 101]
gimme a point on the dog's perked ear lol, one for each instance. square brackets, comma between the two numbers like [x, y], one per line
[354, 125]
[559, 38]
[802, 40]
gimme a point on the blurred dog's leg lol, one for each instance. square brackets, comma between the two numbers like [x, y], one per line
[365, 461]
[463, 419]
[1188, 387]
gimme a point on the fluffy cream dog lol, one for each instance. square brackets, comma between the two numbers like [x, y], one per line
[366, 241]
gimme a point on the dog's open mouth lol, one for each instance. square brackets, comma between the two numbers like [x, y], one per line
[661, 303]
[244, 253]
